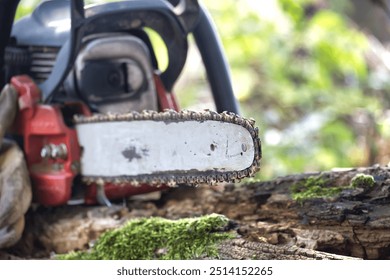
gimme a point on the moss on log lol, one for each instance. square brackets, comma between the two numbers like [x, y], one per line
[158, 238]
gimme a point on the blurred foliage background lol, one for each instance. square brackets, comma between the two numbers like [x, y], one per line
[314, 74]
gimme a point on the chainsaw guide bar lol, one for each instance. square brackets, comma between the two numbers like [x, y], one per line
[167, 148]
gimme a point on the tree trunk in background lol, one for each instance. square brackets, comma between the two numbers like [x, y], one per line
[371, 18]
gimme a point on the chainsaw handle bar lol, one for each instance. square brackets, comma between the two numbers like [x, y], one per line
[172, 23]
[215, 62]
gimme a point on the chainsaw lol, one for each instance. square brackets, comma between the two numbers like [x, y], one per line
[98, 119]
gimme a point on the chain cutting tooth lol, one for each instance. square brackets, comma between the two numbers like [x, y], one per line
[181, 180]
[118, 181]
[171, 183]
[155, 116]
[166, 115]
[211, 180]
[134, 182]
[202, 179]
[214, 116]
[232, 176]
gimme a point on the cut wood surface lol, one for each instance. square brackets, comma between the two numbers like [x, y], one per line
[354, 222]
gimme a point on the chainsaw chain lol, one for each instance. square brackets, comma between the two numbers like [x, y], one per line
[173, 179]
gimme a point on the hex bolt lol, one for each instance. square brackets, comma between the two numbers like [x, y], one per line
[54, 151]
[59, 151]
[46, 151]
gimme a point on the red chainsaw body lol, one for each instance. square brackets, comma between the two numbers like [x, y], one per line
[52, 150]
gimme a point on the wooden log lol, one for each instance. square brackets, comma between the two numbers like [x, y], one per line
[355, 222]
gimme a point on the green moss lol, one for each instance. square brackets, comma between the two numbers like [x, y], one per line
[313, 187]
[158, 238]
[317, 187]
[362, 181]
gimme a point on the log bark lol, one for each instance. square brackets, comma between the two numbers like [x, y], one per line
[241, 249]
[354, 223]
